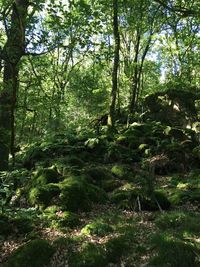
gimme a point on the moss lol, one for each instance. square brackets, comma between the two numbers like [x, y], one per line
[121, 171]
[5, 227]
[75, 161]
[22, 225]
[135, 199]
[47, 175]
[110, 185]
[116, 247]
[77, 194]
[97, 228]
[98, 174]
[44, 195]
[181, 221]
[90, 255]
[33, 155]
[65, 219]
[174, 252]
[33, 254]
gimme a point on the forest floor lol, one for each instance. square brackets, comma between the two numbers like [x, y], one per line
[144, 232]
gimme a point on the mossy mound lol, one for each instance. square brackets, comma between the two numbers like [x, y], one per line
[90, 255]
[182, 221]
[77, 195]
[135, 199]
[121, 153]
[61, 219]
[97, 228]
[33, 254]
[17, 224]
[33, 154]
[97, 174]
[5, 227]
[44, 195]
[102, 177]
[174, 252]
[122, 171]
[47, 175]
[118, 246]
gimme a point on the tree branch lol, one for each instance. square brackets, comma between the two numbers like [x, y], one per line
[184, 12]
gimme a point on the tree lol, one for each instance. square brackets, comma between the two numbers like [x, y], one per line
[11, 54]
[111, 118]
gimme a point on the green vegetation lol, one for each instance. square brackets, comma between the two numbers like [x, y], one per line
[35, 253]
[99, 133]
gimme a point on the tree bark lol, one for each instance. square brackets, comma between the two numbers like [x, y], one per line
[111, 117]
[12, 52]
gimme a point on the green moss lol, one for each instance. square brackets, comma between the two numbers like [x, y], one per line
[22, 225]
[181, 221]
[75, 161]
[98, 174]
[47, 175]
[33, 254]
[122, 172]
[90, 255]
[110, 185]
[135, 199]
[65, 219]
[44, 195]
[34, 154]
[174, 252]
[77, 194]
[116, 247]
[97, 228]
[5, 226]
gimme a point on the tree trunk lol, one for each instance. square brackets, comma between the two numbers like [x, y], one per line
[134, 80]
[11, 54]
[111, 117]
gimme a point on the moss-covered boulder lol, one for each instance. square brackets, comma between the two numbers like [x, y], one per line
[44, 195]
[33, 154]
[118, 246]
[47, 175]
[33, 254]
[76, 194]
[98, 174]
[102, 177]
[5, 226]
[98, 228]
[60, 219]
[90, 255]
[122, 171]
[137, 199]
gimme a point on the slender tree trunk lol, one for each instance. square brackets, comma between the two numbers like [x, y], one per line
[111, 117]
[134, 80]
[12, 53]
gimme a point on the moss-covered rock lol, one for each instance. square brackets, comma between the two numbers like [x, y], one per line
[61, 219]
[135, 199]
[172, 251]
[44, 195]
[33, 154]
[77, 194]
[47, 175]
[5, 226]
[116, 247]
[33, 254]
[97, 228]
[90, 255]
[122, 171]
[98, 174]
